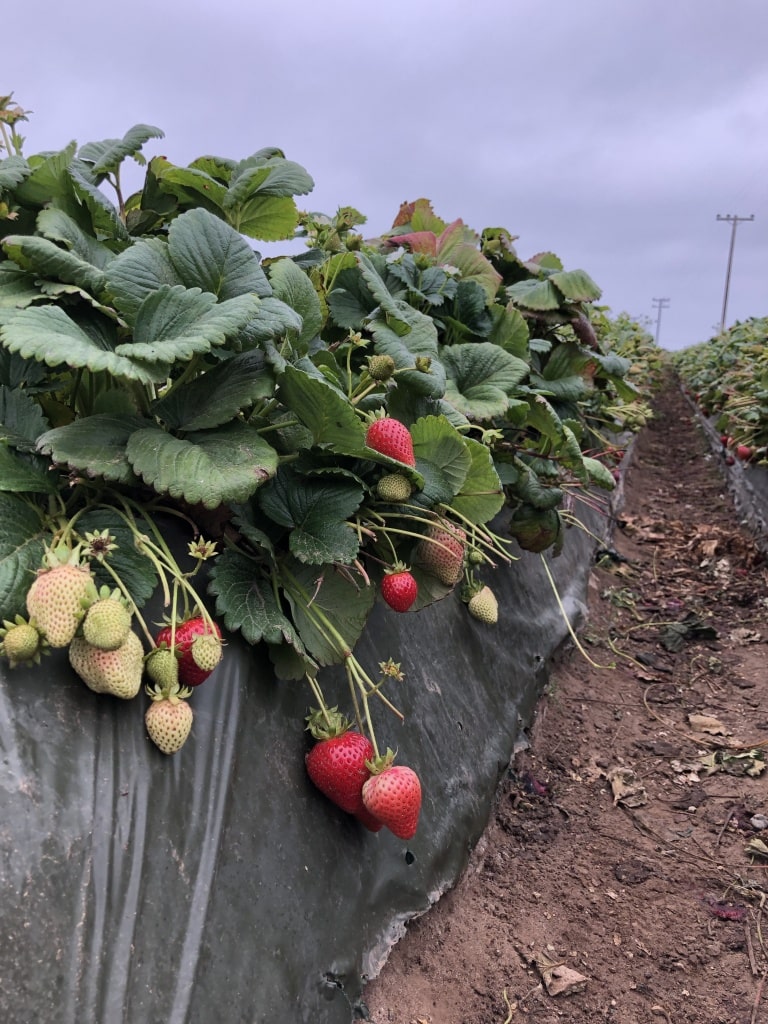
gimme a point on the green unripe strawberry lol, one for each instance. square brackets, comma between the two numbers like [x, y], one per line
[55, 599]
[394, 487]
[162, 666]
[107, 621]
[381, 367]
[115, 672]
[21, 643]
[484, 606]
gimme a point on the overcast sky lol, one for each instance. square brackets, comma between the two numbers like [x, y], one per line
[611, 132]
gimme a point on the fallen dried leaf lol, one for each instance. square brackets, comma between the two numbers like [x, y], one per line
[626, 790]
[708, 724]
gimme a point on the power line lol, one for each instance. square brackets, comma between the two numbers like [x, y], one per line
[734, 224]
[659, 304]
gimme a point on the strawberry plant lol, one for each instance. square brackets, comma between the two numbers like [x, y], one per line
[311, 420]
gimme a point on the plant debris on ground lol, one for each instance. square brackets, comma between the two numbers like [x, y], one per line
[623, 875]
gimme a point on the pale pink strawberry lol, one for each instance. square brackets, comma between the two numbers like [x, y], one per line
[169, 722]
[55, 599]
[441, 552]
[116, 672]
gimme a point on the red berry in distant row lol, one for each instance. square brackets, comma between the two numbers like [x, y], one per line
[391, 437]
[399, 589]
[198, 648]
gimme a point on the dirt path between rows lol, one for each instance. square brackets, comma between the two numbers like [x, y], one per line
[623, 876]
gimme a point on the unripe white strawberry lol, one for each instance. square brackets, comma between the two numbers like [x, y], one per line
[107, 620]
[163, 668]
[55, 599]
[115, 672]
[484, 606]
[21, 643]
[207, 651]
[169, 722]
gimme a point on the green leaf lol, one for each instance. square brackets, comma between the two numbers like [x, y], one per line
[292, 285]
[209, 254]
[49, 181]
[211, 468]
[46, 259]
[218, 395]
[17, 474]
[267, 218]
[481, 496]
[132, 566]
[21, 419]
[510, 330]
[543, 418]
[274, 320]
[175, 323]
[442, 457]
[535, 295]
[22, 543]
[576, 286]
[94, 445]
[105, 157]
[563, 389]
[316, 511]
[138, 272]
[245, 601]
[48, 335]
[598, 473]
[322, 409]
[17, 287]
[481, 377]
[324, 602]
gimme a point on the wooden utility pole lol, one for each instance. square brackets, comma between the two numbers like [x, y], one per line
[734, 224]
[659, 304]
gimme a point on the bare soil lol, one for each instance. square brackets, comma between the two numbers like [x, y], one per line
[623, 876]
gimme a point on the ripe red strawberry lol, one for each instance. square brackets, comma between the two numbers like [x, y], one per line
[441, 552]
[399, 589]
[393, 797]
[168, 720]
[391, 437]
[744, 452]
[197, 657]
[55, 599]
[337, 764]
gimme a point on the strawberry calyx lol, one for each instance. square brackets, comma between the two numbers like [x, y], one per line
[380, 763]
[327, 723]
[168, 691]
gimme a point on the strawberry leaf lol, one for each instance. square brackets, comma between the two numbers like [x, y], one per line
[324, 599]
[21, 419]
[21, 552]
[481, 496]
[16, 474]
[481, 378]
[174, 323]
[106, 156]
[208, 467]
[94, 445]
[219, 395]
[322, 409]
[442, 457]
[316, 511]
[294, 287]
[50, 336]
[246, 601]
[208, 253]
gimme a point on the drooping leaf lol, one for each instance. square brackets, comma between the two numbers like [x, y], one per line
[18, 288]
[21, 419]
[22, 542]
[94, 445]
[211, 468]
[316, 595]
[442, 458]
[48, 335]
[510, 330]
[218, 395]
[576, 286]
[322, 409]
[245, 601]
[316, 511]
[536, 295]
[598, 473]
[481, 496]
[47, 259]
[21, 475]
